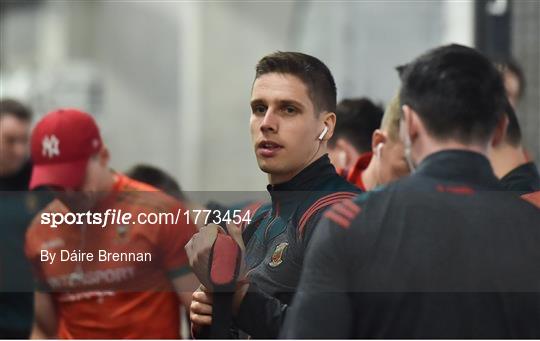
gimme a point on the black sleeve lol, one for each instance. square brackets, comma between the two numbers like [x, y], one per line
[261, 315]
[322, 306]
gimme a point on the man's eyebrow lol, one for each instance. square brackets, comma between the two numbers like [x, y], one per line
[292, 102]
[281, 102]
[256, 101]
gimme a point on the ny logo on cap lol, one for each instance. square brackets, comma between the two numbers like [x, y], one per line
[50, 146]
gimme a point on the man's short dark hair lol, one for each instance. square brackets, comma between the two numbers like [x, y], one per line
[356, 119]
[513, 131]
[15, 108]
[158, 178]
[315, 75]
[457, 92]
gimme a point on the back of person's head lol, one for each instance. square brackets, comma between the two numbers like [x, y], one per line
[356, 119]
[391, 118]
[158, 178]
[456, 91]
[313, 73]
[15, 108]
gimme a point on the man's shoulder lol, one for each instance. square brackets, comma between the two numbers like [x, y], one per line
[524, 178]
[331, 190]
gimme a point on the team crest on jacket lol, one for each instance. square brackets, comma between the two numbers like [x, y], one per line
[277, 256]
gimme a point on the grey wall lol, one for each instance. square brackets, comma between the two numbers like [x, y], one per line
[526, 47]
[176, 76]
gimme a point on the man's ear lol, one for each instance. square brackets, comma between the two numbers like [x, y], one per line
[329, 120]
[104, 156]
[500, 132]
[411, 120]
[377, 138]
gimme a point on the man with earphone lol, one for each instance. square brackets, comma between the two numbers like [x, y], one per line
[293, 102]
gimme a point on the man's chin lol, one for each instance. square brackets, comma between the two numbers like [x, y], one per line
[269, 167]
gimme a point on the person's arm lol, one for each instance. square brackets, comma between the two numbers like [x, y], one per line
[185, 285]
[45, 319]
[171, 241]
[259, 314]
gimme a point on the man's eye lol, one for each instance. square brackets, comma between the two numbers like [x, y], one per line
[259, 109]
[290, 110]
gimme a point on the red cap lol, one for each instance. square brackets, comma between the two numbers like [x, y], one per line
[62, 143]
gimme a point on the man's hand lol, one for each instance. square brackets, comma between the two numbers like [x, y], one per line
[200, 310]
[235, 231]
[198, 250]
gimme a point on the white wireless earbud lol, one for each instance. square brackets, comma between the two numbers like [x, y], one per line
[378, 149]
[323, 133]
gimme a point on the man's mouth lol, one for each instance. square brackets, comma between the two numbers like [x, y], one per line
[268, 148]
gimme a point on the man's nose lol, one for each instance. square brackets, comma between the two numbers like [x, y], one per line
[270, 122]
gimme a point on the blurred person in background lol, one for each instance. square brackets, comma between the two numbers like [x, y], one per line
[163, 181]
[158, 178]
[17, 208]
[15, 166]
[514, 81]
[509, 161]
[123, 298]
[386, 162]
[356, 119]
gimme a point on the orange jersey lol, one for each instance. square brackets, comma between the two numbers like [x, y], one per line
[533, 197]
[108, 297]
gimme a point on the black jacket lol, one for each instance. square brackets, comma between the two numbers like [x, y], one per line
[276, 241]
[444, 253]
[523, 179]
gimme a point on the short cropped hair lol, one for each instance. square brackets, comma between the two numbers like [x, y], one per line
[456, 91]
[356, 119]
[310, 70]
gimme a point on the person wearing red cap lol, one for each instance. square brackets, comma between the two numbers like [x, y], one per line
[81, 295]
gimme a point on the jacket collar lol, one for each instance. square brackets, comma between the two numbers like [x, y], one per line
[461, 166]
[309, 179]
